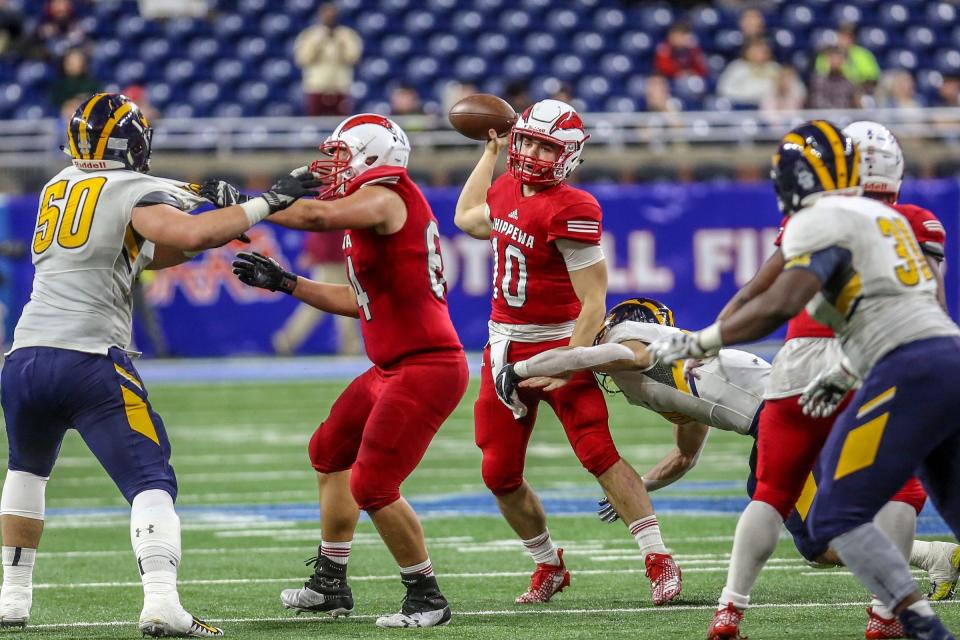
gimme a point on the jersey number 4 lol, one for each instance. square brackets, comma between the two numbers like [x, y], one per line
[513, 281]
[438, 285]
[70, 223]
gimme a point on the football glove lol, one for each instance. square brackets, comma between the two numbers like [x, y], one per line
[266, 273]
[606, 512]
[825, 393]
[506, 387]
[221, 193]
[679, 346]
[288, 189]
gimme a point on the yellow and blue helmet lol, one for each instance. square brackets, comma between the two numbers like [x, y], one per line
[108, 131]
[814, 157]
[637, 310]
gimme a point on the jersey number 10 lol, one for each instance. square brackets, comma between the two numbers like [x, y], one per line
[71, 223]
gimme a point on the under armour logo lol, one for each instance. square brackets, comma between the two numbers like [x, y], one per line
[149, 530]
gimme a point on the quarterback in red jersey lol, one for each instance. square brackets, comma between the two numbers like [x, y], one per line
[549, 290]
[379, 428]
[789, 439]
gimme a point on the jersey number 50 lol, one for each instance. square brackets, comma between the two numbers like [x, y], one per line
[72, 223]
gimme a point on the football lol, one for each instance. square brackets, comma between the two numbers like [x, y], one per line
[475, 115]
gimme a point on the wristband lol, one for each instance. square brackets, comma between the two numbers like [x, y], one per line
[709, 339]
[288, 282]
[520, 368]
[256, 209]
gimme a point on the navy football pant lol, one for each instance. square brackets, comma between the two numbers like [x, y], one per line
[903, 420]
[45, 391]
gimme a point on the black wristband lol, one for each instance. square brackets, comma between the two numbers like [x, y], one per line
[288, 282]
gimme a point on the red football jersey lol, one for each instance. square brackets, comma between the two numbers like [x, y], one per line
[398, 278]
[930, 234]
[531, 284]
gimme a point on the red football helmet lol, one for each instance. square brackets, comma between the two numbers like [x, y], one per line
[359, 143]
[550, 121]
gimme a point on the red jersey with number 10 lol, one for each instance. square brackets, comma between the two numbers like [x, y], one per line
[398, 278]
[531, 284]
[930, 234]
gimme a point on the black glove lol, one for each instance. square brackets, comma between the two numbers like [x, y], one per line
[221, 193]
[506, 385]
[289, 189]
[606, 512]
[260, 271]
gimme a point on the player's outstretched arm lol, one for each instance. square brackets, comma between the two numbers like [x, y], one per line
[256, 270]
[602, 358]
[471, 215]
[760, 282]
[167, 226]
[690, 437]
[372, 206]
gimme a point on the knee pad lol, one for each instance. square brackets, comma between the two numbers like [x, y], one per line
[155, 530]
[595, 450]
[499, 477]
[23, 495]
[323, 453]
[370, 492]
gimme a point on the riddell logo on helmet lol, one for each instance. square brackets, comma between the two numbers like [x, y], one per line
[90, 164]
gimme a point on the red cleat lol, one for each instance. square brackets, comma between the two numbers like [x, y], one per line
[547, 580]
[665, 577]
[726, 624]
[879, 627]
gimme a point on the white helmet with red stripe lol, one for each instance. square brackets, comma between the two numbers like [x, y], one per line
[550, 121]
[881, 159]
[359, 143]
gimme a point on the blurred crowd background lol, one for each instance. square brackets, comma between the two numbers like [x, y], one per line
[635, 69]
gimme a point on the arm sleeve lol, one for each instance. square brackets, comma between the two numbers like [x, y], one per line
[558, 361]
[579, 255]
[823, 263]
[579, 222]
[158, 197]
[927, 227]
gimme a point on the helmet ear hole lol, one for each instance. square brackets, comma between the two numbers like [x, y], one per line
[371, 159]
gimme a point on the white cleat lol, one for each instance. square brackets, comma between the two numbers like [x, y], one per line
[15, 605]
[434, 618]
[944, 569]
[171, 620]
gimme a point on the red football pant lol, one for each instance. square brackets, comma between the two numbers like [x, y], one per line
[579, 405]
[788, 443]
[382, 424]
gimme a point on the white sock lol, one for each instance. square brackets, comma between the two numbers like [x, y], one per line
[758, 531]
[338, 552]
[424, 568]
[920, 554]
[542, 549]
[880, 609]
[922, 607]
[18, 566]
[646, 531]
[155, 536]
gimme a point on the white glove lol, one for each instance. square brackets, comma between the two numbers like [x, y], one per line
[681, 346]
[825, 393]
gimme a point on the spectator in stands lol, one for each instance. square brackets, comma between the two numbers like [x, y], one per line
[138, 93]
[789, 94]
[948, 95]
[833, 90]
[679, 54]
[897, 90]
[859, 65]
[75, 80]
[322, 258]
[153, 9]
[658, 98]
[517, 94]
[404, 101]
[327, 53]
[58, 29]
[752, 77]
[454, 91]
[11, 29]
[752, 25]
[564, 93]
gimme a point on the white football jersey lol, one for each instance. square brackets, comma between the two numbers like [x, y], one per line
[888, 274]
[87, 256]
[726, 393]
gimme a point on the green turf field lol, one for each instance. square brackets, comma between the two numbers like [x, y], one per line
[245, 444]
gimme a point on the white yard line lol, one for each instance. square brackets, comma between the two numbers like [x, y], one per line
[487, 613]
